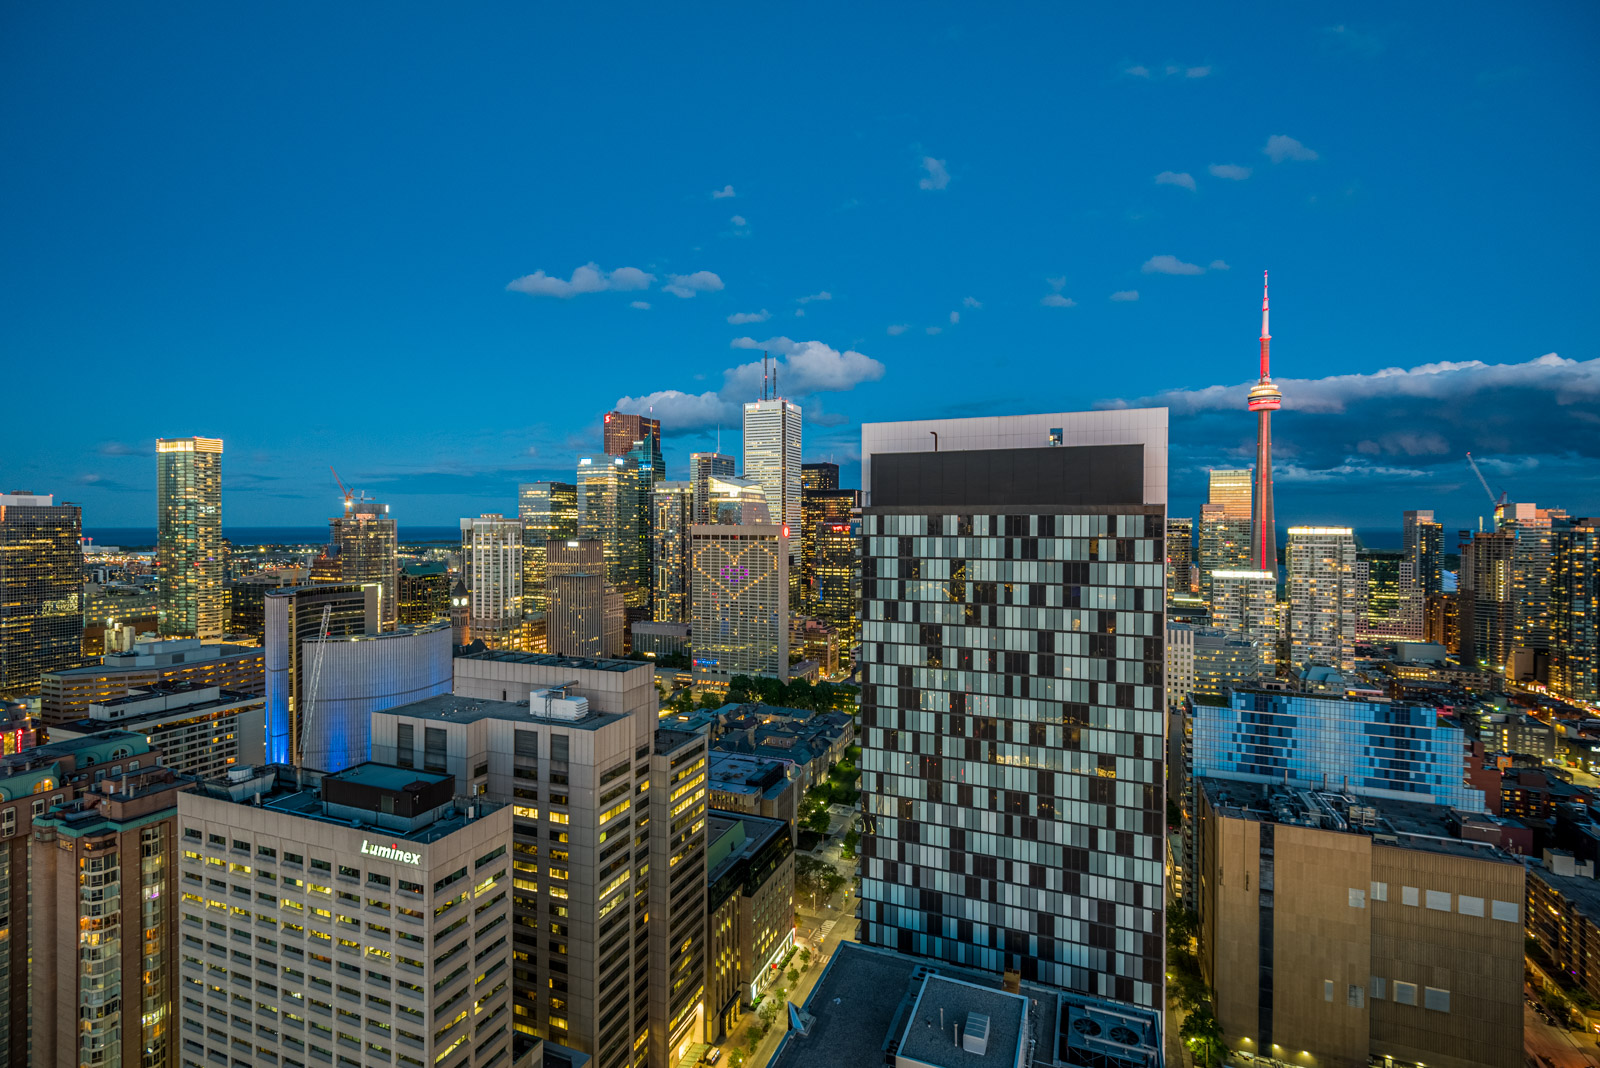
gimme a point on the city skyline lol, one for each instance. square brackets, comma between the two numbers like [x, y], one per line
[370, 218]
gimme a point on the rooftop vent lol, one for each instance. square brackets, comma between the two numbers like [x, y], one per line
[975, 1036]
[546, 704]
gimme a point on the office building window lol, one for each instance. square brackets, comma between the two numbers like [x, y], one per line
[1405, 993]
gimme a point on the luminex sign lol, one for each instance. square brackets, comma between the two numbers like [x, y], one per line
[389, 852]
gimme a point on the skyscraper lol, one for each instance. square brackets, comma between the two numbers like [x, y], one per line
[41, 586]
[623, 432]
[575, 619]
[1322, 597]
[1012, 696]
[1487, 606]
[1575, 610]
[818, 476]
[772, 456]
[491, 564]
[549, 512]
[189, 536]
[672, 507]
[614, 509]
[1245, 605]
[1180, 557]
[1265, 398]
[1224, 544]
[836, 569]
[740, 600]
[1389, 598]
[1424, 545]
[736, 500]
[820, 507]
[1231, 489]
[703, 466]
[368, 546]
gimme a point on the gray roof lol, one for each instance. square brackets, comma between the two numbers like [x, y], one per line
[450, 708]
[581, 663]
[944, 1003]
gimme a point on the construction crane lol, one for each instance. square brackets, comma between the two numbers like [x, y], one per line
[348, 496]
[1497, 503]
[308, 690]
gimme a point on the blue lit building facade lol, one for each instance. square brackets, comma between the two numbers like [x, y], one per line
[1372, 748]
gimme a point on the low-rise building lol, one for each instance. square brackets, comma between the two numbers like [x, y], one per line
[379, 930]
[65, 696]
[200, 730]
[749, 913]
[1564, 918]
[754, 786]
[656, 639]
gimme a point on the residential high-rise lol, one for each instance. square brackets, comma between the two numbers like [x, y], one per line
[1531, 572]
[1012, 696]
[1488, 608]
[624, 432]
[819, 509]
[1265, 398]
[614, 509]
[103, 921]
[703, 466]
[368, 545]
[1322, 597]
[569, 745]
[1575, 611]
[189, 536]
[491, 564]
[1423, 545]
[199, 730]
[295, 616]
[672, 505]
[41, 588]
[575, 614]
[1390, 600]
[818, 476]
[1224, 544]
[677, 894]
[1245, 605]
[378, 927]
[549, 512]
[739, 589]
[423, 594]
[1230, 488]
[37, 779]
[1180, 558]
[772, 456]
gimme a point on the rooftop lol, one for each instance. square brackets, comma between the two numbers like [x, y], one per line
[578, 663]
[450, 708]
[387, 777]
[1406, 824]
[1583, 892]
[867, 992]
[945, 1004]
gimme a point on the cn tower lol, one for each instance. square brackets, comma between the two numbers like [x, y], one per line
[1265, 398]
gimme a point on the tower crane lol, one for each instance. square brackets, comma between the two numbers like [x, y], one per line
[1495, 502]
[348, 496]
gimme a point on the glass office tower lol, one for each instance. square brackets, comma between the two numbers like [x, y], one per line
[672, 508]
[41, 585]
[189, 536]
[368, 546]
[772, 456]
[1012, 705]
[613, 509]
[549, 512]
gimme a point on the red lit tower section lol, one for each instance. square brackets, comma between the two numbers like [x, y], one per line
[1265, 398]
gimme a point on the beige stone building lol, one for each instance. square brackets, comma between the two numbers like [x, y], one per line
[1337, 929]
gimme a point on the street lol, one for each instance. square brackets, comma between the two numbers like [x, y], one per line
[1561, 1048]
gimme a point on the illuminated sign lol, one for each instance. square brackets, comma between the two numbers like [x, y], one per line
[389, 852]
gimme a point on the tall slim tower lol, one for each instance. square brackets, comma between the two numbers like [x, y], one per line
[772, 456]
[189, 536]
[1265, 398]
[368, 544]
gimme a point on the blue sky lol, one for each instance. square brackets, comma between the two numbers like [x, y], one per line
[347, 235]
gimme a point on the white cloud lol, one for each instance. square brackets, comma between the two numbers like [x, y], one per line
[1056, 300]
[724, 192]
[1219, 265]
[799, 313]
[938, 177]
[684, 411]
[737, 220]
[807, 367]
[955, 317]
[741, 318]
[1197, 72]
[641, 305]
[1057, 283]
[1181, 178]
[1170, 265]
[824, 295]
[934, 330]
[1125, 295]
[971, 302]
[687, 285]
[1137, 71]
[896, 329]
[1281, 147]
[1231, 171]
[772, 344]
[589, 278]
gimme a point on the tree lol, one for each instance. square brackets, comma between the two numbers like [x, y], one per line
[817, 878]
[851, 841]
[1203, 1035]
[794, 976]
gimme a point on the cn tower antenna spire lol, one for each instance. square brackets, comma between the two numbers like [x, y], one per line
[1266, 334]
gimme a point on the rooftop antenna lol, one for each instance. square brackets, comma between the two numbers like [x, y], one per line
[763, 375]
[775, 380]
